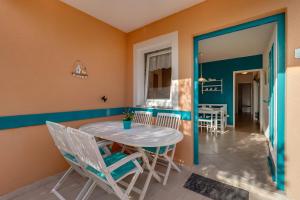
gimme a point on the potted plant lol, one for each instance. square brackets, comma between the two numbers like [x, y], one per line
[127, 119]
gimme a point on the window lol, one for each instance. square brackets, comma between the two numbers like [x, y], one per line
[155, 72]
[158, 75]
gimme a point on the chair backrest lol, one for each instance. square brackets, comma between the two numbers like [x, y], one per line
[86, 149]
[142, 117]
[222, 106]
[169, 120]
[60, 137]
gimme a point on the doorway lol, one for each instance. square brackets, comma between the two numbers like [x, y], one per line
[247, 100]
[244, 100]
[279, 99]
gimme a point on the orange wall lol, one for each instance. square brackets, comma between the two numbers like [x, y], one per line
[42, 39]
[39, 42]
[214, 15]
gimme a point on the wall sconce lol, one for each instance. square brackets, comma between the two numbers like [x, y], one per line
[79, 70]
[104, 98]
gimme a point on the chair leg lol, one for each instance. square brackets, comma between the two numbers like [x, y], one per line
[152, 172]
[123, 148]
[77, 169]
[175, 166]
[84, 189]
[207, 127]
[119, 192]
[60, 182]
[168, 171]
[170, 164]
[133, 180]
[89, 191]
[105, 187]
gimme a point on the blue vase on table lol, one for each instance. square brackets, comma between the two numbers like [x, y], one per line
[127, 124]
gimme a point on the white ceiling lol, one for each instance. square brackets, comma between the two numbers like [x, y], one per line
[128, 15]
[243, 43]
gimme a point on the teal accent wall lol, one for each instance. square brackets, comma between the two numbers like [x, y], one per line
[18, 121]
[224, 69]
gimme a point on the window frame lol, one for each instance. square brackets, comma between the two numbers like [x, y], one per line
[148, 56]
[139, 51]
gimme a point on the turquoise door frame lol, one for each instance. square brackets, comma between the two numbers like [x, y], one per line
[271, 95]
[280, 20]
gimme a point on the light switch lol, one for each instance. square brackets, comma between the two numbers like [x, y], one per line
[297, 53]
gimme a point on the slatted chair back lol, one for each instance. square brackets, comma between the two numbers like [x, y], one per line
[166, 153]
[90, 158]
[60, 137]
[169, 120]
[142, 117]
[86, 149]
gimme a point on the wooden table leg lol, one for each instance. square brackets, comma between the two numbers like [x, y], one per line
[216, 123]
[222, 122]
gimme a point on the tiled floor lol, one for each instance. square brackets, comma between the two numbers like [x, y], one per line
[173, 190]
[237, 157]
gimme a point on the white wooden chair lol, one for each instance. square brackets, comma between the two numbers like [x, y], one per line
[105, 171]
[142, 117]
[162, 153]
[62, 141]
[206, 122]
[221, 117]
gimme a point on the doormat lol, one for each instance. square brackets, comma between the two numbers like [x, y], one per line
[214, 189]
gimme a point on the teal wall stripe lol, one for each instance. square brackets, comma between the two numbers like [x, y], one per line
[18, 121]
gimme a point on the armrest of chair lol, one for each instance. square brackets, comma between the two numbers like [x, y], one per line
[131, 157]
[106, 146]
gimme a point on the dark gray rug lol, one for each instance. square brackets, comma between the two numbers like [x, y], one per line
[214, 189]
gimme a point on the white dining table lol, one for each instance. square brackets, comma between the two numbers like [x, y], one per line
[138, 136]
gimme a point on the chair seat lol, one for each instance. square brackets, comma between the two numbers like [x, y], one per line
[72, 158]
[162, 150]
[117, 173]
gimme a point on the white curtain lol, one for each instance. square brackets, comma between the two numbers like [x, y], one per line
[160, 62]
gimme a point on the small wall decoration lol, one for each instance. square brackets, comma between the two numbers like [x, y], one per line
[79, 70]
[104, 98]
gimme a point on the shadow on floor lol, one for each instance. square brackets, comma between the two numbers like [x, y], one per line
[238, 157]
